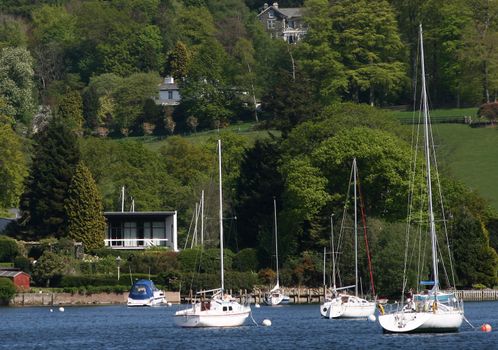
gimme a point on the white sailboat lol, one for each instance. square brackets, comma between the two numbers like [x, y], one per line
[436, 311]
[221, 310]
[342, 305]
[276, 296]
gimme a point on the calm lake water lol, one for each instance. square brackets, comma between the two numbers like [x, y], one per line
[293, 327]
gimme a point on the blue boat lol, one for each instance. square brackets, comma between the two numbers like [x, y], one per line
[145, 293]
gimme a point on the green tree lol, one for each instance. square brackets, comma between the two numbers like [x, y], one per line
[370, 48]
[7, 291]
[50, 268]
[16, 83]
[12, 32]
[258, 183]
[71, 111]
[13, 167]
[178, 61]
[54, 162]
[8, 249]
[84, 210]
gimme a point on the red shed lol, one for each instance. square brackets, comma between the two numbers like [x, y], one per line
[20, 278]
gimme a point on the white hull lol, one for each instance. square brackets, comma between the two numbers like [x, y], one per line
[218, 312]
[277, 300]
[423, 322]
[157, 300]
[347, 307]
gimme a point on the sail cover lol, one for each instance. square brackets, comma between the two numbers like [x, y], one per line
[142, 289]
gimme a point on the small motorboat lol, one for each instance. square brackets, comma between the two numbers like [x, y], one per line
[145, 293]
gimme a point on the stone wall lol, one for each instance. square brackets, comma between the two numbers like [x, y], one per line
[39, 299]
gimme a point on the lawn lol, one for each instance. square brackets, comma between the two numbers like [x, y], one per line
[471, 156]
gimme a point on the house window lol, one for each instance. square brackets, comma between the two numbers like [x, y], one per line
[130, 234]
[170, 95]
[270, 24]
[271, 14]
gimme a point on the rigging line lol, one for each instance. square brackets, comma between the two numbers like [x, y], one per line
[343, 220]
[188, 232]
[441, 199]
[363, 219]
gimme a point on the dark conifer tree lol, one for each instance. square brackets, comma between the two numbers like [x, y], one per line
[258, 183]
[56, 155]
[84, 210]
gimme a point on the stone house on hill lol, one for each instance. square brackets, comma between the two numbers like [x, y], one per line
[283, 23]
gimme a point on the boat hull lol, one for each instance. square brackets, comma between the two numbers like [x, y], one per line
[352, 307]
[274, 301]
[191, 319]
[422, 322]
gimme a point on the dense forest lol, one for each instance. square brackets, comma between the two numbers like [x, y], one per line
[78, 82]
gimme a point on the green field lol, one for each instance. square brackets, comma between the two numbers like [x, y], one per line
[471, 156]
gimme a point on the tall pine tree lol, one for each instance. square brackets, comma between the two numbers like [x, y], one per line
[84, 210]
[56, 155]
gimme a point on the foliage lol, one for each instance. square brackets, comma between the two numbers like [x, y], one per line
[51, 172]
[71, 111]
[50, 268]
[8, 249]
[13, 167]
[16, 83]
[23, 263]
[488, 111]
[246, 260]
[84, 210]
[7, 290]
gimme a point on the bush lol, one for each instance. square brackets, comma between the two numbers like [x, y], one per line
[246, 260]
[7, 290]
[8, 249]
[23, 263]
[488, 111]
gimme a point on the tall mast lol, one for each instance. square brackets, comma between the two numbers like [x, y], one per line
[333, 250]
[276, 242]
[355, 231]
[425, 109]
[202, 218]
[221, 217]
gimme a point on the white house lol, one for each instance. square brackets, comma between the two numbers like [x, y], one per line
[169, 93]
[140, 230]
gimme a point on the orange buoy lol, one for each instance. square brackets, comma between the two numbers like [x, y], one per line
[486, 327]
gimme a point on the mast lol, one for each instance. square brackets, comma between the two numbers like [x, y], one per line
[276, 242]
[333, 250]
[425, 109]
[202, 218]
[355, 231]
[221, 217]
[324, 262]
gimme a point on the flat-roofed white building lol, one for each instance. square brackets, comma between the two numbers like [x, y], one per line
[141, 230]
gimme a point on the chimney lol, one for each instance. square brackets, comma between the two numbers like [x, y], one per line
[265, 6]
[275, 5]
[169, 80]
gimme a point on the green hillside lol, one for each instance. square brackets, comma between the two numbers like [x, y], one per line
[470, 155]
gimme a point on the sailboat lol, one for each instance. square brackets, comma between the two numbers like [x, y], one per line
[221, 310]
[275, 296]
[342, 305]
[436, 310]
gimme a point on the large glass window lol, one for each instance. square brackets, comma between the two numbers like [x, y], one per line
[158, 232]
[130, 234]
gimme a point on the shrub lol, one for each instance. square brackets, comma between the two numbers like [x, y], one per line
[246, 260]
[23, 263]
[488, 111]
[7, 290]
[8, 249]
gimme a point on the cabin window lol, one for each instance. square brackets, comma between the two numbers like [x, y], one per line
[230, 308]
[225, 308]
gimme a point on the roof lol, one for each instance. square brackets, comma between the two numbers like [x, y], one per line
[129, 215]
[168, 87]
[7, 273]
[286, 12]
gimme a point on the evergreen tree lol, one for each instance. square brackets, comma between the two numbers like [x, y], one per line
[55, 157]
[84, 209]
[71, 110]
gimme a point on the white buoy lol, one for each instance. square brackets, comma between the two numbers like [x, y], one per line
[266, 322]
[51, 310]
[372, 318]
[257, 306]
[169, 304]
[61, 309]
